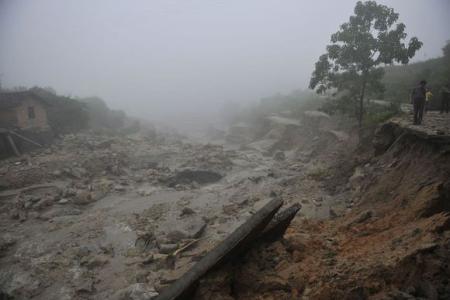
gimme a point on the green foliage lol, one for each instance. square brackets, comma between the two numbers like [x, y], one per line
[68, 115]
[446, 51]
[293, 104]
[351, 68]
[101, 116]
[399, 80]
[373, 118]
[65, 115]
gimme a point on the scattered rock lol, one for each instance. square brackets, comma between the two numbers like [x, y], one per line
[167, 248]
[145, 241]
[316, 203]
[83, 198]
[190, 176]
[84, 284]
[120, 188]
[69, 192]
[6, 241]
[339, 135]
[356, 179]
[95, 261]
[44, 202]
[186, 228]
[279, 155]
[57, 173]
[187, 211]
[316, 114]
[273, 283]
[76, 172]
[361, 217]
[231, 209]
[333, 214]
[176, 235]
[63, 201]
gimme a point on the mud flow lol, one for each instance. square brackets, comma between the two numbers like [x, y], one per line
[100, 216]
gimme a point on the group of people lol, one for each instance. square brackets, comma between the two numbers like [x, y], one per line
[420, 97]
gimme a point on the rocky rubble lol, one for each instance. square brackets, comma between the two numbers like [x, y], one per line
[99, 216]
[67, 192]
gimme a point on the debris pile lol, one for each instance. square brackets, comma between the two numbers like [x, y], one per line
[101, 216]
[110, 216]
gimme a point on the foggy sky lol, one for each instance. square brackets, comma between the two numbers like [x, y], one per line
[160, 58]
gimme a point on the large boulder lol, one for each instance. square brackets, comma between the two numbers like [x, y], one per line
[186, 228]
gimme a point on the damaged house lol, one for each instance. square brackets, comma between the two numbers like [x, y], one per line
[23, 122]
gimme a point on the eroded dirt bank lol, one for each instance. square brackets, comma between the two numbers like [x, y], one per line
[393, 244]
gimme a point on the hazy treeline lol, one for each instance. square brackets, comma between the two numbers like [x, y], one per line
[71, 114]
[291, 105]
[399, 80]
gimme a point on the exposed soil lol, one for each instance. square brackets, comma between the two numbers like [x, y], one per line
[393, 244]
[99, 217]
[122, 217]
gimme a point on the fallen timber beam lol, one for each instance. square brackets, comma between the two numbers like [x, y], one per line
[13, 145]
[234, 244]
[279, 224]
[25, 138]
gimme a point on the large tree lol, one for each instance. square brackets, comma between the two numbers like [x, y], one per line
[446, 51]
[371, 38]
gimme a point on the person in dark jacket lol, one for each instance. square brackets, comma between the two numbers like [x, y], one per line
[445, 98]
[418, 97]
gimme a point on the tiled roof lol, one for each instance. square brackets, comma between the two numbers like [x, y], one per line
[13, 99]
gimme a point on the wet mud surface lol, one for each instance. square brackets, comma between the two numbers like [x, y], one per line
[99, 217]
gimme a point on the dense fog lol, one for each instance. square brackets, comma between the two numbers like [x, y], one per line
[224, 149]
[172, 60]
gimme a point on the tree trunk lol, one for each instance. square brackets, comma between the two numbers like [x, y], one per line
[361, 102]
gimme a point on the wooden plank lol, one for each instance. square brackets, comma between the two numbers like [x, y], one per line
[238, 241]
[279, 223]
[25, 138]
[13, 145]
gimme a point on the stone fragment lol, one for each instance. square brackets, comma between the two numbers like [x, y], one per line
[120, 188]
[83, 198]
[63, 201]
[139, 291]
[96, 261]
[279, 155]
[6, 241]
[187, 211]
[167, 248]
[187, 228]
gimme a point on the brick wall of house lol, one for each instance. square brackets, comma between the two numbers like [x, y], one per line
[23, 117]
[8, 118]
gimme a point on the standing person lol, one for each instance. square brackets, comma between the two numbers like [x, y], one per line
[428, 97]
[418, 100]
[445, 98]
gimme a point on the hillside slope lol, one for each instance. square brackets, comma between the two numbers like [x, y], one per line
[399, 80]
[394, 244]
